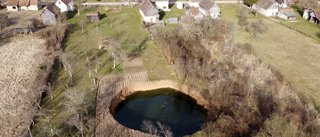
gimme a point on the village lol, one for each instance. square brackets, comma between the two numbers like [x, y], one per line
[117, 42]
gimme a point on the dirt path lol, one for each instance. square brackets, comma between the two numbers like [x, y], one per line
[110, 86]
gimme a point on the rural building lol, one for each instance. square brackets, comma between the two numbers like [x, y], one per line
[12, 5]
[315, 16]
[23, 4]
[162, 5]
[284, 4]
[194, 3]
[307, 12]
[50, 14]
[195, 13]
[149, 13]
[93, 16]
[287, 14]
[15, 5]
[65, 5]
[266, 7]
[34, 5]
[209, 8]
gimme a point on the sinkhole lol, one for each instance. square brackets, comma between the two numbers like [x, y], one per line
[158, 111]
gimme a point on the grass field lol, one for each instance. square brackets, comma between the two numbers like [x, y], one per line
[122, 23]
[293, 54]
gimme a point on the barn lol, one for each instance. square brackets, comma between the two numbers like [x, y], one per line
[50, 14]
[93, 16]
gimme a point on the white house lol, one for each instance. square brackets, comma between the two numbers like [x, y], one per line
[12, 5]
[34, 5]
[65, 5]
[209, 8]
[266, 7]
[287, 14]
[149, 12]
[194, 3]
[162, 5]
[179, 5]
[284, 4]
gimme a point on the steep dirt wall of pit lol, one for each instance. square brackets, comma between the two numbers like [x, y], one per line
[147, 86]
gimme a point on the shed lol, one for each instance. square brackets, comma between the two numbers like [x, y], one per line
[179, 5]
[93, 16]
[49, 14]
[23, 4]
[197, 15]
[287, 14]
[266, 7]
[12, 5]
[209, 8]
[162, 5]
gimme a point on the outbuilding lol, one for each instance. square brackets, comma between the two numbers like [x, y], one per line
[12, 5]
[149, 12]
[50, 14]
[287, 14]
[93, 16]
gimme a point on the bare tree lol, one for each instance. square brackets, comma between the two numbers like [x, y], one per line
[50, 88]
[78, 4]
[257, 28]
[243, 17]
[97, 36]
[148, 126]
[65, 59]
[165, 130]
[116, 51]
[82, 23]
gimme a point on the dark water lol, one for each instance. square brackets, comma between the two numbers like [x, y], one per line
[170, 108]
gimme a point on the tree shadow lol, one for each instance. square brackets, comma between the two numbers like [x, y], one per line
[141, 47]
[162, 14]
[298, 9]
[71, 14]
[102, 16]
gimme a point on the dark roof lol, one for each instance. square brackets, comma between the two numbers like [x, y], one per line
[194, 11]
[146, 6]
[265, 4]
[66, 1]
[12, 2]
[206, 4]
[317, 13]
[33, 2]
[53, 8]
[23, 3]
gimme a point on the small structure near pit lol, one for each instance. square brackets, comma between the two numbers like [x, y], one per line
[93, 17]
[50, 14]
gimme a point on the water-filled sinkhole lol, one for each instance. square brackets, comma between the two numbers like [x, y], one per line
[165, 106]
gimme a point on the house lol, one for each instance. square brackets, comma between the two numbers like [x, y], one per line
[149, 12]
[34, 5]
[266, 7]
[50, 14]
[93, 16]
[162, 5]
[12, 5]
[195, 13]
[65, 5]
[23, 4]
[209, 8]
[287, 14]
[307, 12]
[194, 3]
[179, 5]
[315, 16]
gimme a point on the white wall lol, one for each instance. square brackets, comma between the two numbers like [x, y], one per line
[179, 5]
[164, 5]
[10, 8]
[24, 8]
[33, 7]
[270, 12]
[63, 7]
[203, 11]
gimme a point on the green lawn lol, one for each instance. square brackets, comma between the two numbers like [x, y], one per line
[293, 54]
[174, 13]
[124, 24]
